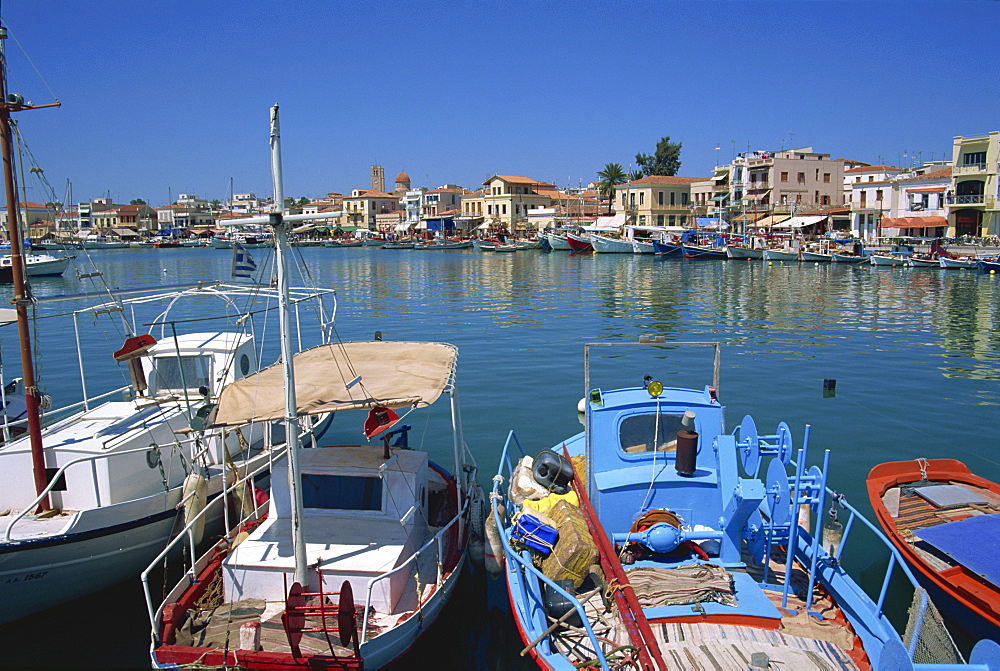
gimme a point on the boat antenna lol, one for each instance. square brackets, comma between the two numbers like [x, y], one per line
[291, 412]
[15, 103]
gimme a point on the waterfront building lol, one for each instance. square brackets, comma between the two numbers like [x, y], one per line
[656, 200]
[761, 183]
[871, 195]
[473, 206]
[918, 203]
[972, 203]
[30, 214]
[508, 199]
[362, 206]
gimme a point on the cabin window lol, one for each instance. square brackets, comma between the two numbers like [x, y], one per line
[640, 433]
[180, 373]
[341, 492]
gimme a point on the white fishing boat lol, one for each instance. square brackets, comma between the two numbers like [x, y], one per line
[781, 255]
[36, 265]
[605, 244]
[953, 263]
[642, 246]
[90, 498]
[360, 546]
[557, 242]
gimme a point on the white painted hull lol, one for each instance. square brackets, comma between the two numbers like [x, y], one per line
[605, 245]
[642, 247]
[743, 253]
[957, 263]
[780, 255]
[557, 243]
[894, 261]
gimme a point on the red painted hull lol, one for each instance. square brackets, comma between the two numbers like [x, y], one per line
[578, 244]
[969, 590]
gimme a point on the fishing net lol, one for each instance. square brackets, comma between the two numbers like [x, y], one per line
[934, 644]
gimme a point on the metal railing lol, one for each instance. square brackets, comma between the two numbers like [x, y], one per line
[187, 534]
[438, 542]
[60, 475]
[524, 562]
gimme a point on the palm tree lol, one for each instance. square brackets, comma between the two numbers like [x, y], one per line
[612, 175]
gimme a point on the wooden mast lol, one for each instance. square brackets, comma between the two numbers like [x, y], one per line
[21, 300]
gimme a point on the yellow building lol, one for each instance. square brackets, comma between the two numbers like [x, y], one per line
[972, 202]
[657, 200]
[508, 198]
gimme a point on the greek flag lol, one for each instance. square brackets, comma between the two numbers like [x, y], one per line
[243, 263]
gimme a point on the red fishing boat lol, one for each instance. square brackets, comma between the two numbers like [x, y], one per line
[579, 242]
[943, 520]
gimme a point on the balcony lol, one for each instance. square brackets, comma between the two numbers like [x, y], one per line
[974, 169]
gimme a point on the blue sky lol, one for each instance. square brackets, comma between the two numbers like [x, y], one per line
[161, 98]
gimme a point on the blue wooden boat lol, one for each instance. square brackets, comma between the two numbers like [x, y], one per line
[989, 265]
[664, 248]
[658, 540]
[690, 251]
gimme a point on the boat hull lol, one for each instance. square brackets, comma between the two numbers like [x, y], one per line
[744, 253]
[953, 264]
[38, 576]
[579, 243]
[605, 245]
[780, 255]
[556, 242]
[848, 258]
[891, 261]
[706, 253]
[666, 248]
[967, 592]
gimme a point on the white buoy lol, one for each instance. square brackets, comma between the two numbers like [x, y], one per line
[582, 405]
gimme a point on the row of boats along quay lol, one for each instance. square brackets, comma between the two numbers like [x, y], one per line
[661, 536]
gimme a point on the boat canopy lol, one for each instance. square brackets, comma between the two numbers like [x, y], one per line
[344, 376]
[801, 221]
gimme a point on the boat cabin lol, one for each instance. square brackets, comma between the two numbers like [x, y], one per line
[363, 515]
[646, 437]
[194, 364]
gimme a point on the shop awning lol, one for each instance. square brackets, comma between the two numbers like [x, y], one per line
[912, 222]
[719, 197]
[750, 217]
[801, 221]
[927, 189]
[125, 232]
[773, 219]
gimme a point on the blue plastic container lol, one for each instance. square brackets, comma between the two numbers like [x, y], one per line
[534, 533]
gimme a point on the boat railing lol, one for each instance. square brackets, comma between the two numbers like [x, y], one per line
[895, 561]
[437, 542]
[59, 414]
[59, 477]
[187, 536]
[523, 559]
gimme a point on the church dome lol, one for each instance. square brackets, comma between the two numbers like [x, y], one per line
[402, 177]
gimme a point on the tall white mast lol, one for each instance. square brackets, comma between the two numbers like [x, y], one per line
[291, 410]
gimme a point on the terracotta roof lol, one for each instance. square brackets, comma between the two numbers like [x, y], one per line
[937, 174]
[371, 193]
[871, 168]
[402, 177]
[447, 190]
[514, 179]
[665, 180]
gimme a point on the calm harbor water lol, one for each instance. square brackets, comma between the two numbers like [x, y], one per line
[915, 354]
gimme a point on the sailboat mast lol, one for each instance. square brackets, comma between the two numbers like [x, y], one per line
[291, 408]
[21, 300]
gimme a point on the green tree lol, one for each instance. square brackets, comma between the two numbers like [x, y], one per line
[137, 201]
[612, 175]
[633, 175]
[303, 201]
[666, 160]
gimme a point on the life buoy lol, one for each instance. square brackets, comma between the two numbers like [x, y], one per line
[194, 494]
[493, 556]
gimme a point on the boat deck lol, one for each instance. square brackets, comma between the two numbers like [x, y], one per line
[694, 629]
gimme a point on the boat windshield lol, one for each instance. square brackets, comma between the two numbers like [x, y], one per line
[640, 433]
[341, 492]
[177, 374]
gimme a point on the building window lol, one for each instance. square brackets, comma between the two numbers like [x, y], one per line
[659, 198]
[642, 197]
[631, 199]
[975, 158]
[801, 178]
[503, 209]
[671, 219]
[684, 198]
[826, 177]
[878, 194]
[659, 217]
[825, 200]
[642, 220]
[784, 177]
[673, 198]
